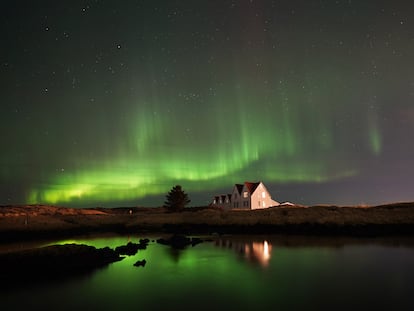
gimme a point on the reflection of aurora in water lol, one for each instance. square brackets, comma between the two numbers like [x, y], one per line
[305, 275]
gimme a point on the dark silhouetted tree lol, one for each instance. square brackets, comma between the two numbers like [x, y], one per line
[176, 199]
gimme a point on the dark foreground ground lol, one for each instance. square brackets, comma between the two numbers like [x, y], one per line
[38, 221]
[35, 265]
[54, 260]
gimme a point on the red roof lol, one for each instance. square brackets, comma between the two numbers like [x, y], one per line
[251, 186]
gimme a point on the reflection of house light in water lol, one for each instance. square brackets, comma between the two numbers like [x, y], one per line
[256, 252]
[261, 252]
[266, 253]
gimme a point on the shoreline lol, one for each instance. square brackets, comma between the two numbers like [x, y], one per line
[41, 221]
[387, 230]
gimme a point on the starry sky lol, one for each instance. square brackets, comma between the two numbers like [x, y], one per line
[111, 103]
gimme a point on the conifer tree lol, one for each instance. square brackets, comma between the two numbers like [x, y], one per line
[176, 199]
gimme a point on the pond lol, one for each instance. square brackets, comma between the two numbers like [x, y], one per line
[236, 273]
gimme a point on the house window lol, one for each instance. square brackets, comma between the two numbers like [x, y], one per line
[258, 204]
[263, 194]
[214, 202]
[245, 194]
[264, 204]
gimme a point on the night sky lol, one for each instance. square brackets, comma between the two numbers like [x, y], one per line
[111, 103]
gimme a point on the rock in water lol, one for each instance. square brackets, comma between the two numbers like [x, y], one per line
[140, 263]
[52, 262]
[130, 249]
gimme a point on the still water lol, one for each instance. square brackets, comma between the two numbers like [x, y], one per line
[236, 273]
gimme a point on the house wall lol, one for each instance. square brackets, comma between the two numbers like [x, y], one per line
[238, 200]
[261, 198]
[235, 198]
[245, 198]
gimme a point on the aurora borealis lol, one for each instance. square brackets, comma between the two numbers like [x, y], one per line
[106, 103]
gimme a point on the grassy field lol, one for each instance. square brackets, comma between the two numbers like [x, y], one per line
[39, 220]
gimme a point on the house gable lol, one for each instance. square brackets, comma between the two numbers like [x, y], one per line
[261, 198]
[236, 196]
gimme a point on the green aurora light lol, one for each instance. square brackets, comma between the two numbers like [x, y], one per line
[107, 104]
[232, 142]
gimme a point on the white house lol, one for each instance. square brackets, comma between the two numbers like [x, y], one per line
[250, 195]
